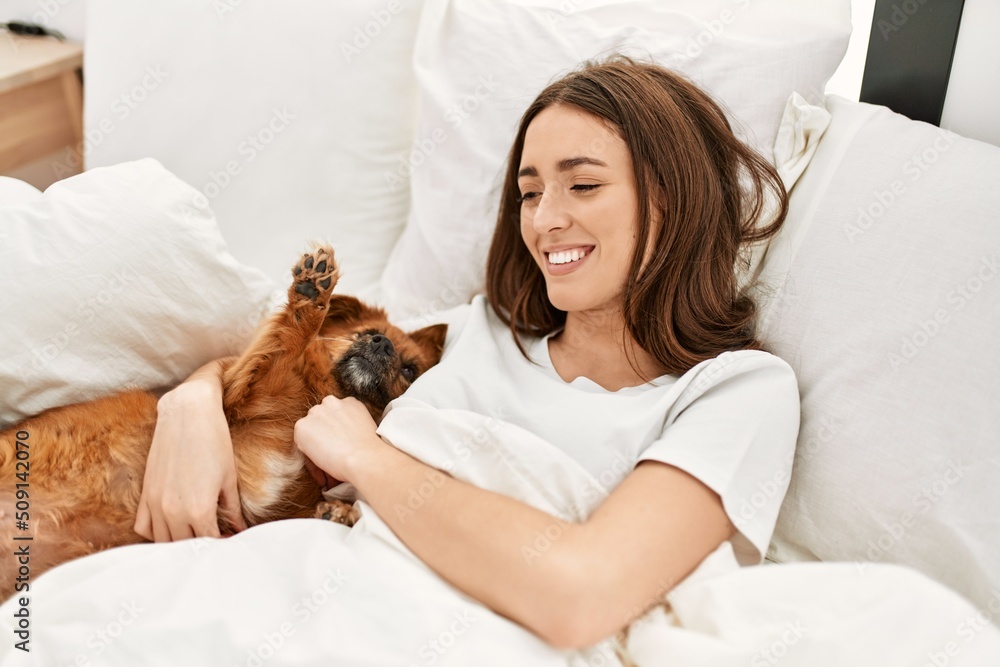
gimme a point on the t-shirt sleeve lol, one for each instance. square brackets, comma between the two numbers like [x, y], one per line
[734, 429]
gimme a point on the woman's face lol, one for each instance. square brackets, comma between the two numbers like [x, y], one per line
[579, 208]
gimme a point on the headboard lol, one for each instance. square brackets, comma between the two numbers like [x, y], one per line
[910, 52]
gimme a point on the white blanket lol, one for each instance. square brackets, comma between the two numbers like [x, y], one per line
[309, 592]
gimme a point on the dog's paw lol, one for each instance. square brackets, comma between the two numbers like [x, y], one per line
[315, 275]
[339, 511]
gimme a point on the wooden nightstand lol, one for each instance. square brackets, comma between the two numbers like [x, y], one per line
[41, 108]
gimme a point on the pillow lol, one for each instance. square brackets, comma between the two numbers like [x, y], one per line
[479, 63]
[112, 279]
[802, 127]
[884, 301]
[287, 117]
[14, 191]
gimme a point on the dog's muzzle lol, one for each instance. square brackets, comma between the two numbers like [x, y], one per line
[367, 369]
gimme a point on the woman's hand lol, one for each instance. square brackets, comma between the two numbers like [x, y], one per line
[333, 435]
[190, 472]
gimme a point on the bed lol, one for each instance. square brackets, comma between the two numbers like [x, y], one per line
[220, 137]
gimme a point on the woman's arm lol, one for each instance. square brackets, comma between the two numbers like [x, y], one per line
[573, 590]
[190, 472]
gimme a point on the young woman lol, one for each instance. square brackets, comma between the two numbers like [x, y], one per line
[613, 326]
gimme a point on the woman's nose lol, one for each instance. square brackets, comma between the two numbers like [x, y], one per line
[550, 214]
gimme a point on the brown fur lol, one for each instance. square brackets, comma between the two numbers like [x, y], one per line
[87, 460]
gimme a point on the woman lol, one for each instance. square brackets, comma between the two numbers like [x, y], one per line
[611, 282]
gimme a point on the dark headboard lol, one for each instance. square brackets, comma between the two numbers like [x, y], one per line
[910, 51]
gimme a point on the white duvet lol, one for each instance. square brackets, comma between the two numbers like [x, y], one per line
[310, 592]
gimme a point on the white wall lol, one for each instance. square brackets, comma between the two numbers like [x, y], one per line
[972, 107]
[66, 16]
[846, 81]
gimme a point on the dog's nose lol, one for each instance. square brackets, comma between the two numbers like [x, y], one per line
[382, 345]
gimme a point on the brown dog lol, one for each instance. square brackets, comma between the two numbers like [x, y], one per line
[74, 474]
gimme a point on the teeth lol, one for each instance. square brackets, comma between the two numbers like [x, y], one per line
[566, 256]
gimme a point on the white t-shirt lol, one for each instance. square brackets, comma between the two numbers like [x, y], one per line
[731, 422]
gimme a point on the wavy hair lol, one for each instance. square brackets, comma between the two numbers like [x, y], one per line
[702, 194]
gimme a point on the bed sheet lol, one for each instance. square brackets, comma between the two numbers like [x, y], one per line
[297, 592]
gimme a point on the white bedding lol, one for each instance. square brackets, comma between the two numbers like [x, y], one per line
[308, 592]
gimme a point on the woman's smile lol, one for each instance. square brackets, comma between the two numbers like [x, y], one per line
[559, 262]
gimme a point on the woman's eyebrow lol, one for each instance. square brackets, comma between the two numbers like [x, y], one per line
[564, 165]
[570, 163]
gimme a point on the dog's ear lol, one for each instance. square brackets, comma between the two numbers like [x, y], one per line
[344, 308]
[431, 338]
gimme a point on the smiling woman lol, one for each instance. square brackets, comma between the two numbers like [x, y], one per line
[615, 329]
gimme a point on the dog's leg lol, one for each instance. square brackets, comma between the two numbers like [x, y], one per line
[266, 366]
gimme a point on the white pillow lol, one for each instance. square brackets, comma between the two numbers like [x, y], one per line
[885, 302]
[14, 191]
[480, 63]
[111, 279]
[288, 117]
[802, 127]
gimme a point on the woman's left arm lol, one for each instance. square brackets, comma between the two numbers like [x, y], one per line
[573, 590]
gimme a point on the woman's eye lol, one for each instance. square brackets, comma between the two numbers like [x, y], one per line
[409, 372]
[585, 187]
[528, 196]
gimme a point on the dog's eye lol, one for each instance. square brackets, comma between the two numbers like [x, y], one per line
[409, 372]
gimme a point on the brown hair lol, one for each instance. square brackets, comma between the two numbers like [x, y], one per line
[706, 189]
